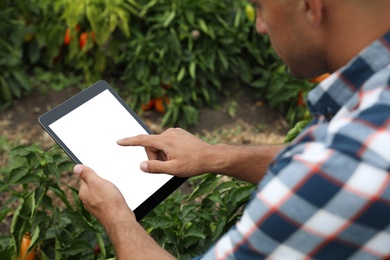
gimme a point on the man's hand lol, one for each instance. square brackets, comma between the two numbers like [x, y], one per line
[179, 153]
[106, 203]
[175, 152]
[100, 197]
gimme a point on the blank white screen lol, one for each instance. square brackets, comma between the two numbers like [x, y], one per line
[91, 131]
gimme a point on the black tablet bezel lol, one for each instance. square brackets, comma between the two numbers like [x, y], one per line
[79, 99]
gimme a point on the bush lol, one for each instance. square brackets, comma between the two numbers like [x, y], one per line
[181, 54]
[14, 82]
[42, 203]
[188, 224]
[187, 51]
[284, 92]
[47, 208]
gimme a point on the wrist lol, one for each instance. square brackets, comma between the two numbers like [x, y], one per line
[217, 160]
[130, 240]
[118, 220]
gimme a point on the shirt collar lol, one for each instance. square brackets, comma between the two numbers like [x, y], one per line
[331, 94]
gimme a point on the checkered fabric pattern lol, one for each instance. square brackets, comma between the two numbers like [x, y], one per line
[327, 195]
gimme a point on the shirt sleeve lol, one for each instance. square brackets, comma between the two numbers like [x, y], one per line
[316, 201]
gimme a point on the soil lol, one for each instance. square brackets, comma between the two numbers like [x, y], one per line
[20, 122]
[254, 123]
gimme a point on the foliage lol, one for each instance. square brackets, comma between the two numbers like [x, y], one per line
[42, 204]
[283, 92]
[296, 130]
[105, 25]
[188, 224]
[60, 226]
[185, 50]
[14, 82]
[34, 36]
[186, 53]
[52, 80]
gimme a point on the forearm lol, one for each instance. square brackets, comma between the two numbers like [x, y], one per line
[131, 241]
[248, 163]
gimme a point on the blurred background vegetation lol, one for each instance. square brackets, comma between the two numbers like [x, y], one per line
[173, 56]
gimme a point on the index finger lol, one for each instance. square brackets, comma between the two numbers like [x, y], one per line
[144, 140]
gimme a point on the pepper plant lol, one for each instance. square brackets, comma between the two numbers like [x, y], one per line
[188, 224]
[185, 50]
[47, 208]
[39, 201]
[14, 82]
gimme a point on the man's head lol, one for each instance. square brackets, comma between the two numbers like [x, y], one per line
[317, 36]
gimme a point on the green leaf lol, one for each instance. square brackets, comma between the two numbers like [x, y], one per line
[25, 150]
[77, 247]
[22, 79]
[190, 15]
[29, 178]
[203, 26]
[207, 185]
[186, 209]
[223, 60]
[65, 166]
[169, 19]
[219, 228]
[161, 222]
[40, 193]
[101, 245]
[6, 248]
[260, 83]
[216, 197]
[181, 74]
[15, 88]
[241, 195]
[226, 185]
[16, 225]
[17, 174]
[33, 52]
[30, 203]
[5, 90]
[237, 19]
[192, 69]
[3, 212]
[194, 231]
[77, 219]
[206, 95]
[60, 194]
[35, 237]
[190, 241]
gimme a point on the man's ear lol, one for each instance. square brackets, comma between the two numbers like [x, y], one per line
[314, 11]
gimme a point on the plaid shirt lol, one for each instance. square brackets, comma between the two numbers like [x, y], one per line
[327, 195]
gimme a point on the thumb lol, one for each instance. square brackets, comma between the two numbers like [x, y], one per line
[84, 172]
[156, 166]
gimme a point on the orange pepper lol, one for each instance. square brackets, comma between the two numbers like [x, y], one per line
[83, 39]
[26, 241]
[319, 78]
[148, 106]
[67, 35]
[161, 103]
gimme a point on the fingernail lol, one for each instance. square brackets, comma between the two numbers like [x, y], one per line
[144, 166]
[78, 169]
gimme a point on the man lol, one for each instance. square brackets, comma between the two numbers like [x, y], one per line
[327, 195]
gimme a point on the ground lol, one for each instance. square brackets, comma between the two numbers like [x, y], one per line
[260, 124]
[253, 123]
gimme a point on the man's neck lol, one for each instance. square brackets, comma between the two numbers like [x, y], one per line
[351, 29]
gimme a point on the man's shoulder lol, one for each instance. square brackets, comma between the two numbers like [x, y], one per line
[379, 80]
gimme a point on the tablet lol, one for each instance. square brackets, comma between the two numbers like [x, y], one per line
[87, 127]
